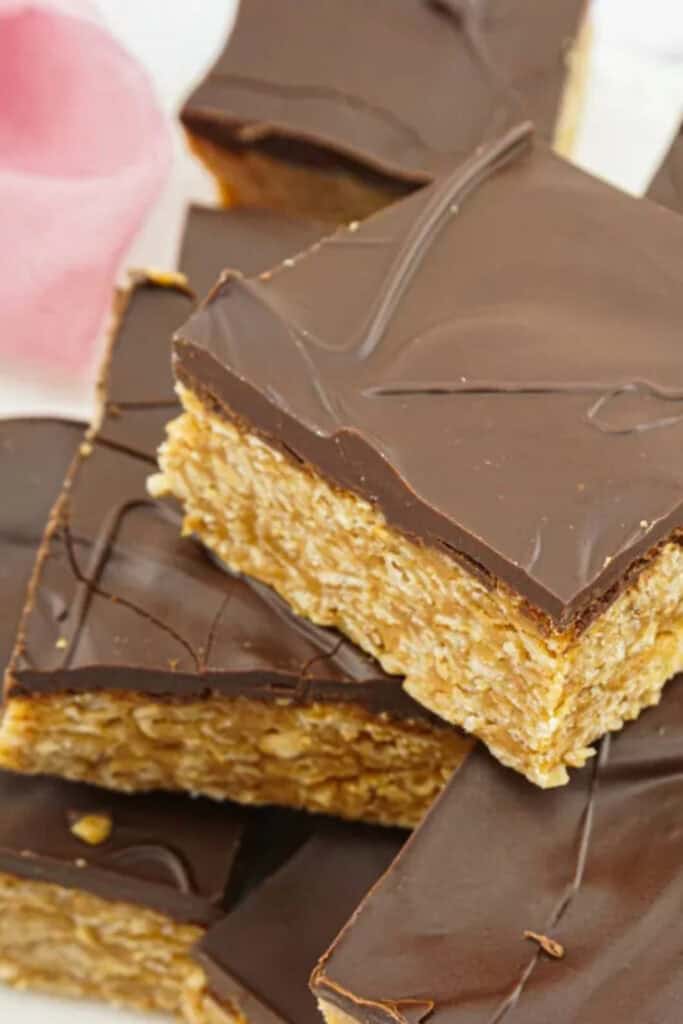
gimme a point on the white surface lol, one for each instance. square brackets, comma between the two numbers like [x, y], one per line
[635, 99]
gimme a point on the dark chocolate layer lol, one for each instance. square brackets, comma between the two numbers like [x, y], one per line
[262, 953]
[596, 866]
[34, 457]
[140, 399]
[395, 88]
[250, 241]
[167, 853]
[667, 184]
[494, 361]
[122, 601]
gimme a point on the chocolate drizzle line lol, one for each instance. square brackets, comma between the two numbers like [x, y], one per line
[605, 393]
[575, 885]
[87, 586]
[443, 203]
[301, 687]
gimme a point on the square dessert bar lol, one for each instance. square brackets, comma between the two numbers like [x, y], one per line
[370, 99]
[454, 433]
[518, 906]
[141, 664]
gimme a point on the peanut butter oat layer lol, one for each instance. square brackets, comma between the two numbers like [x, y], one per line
[454, 433]
[142, 665]
[370, 99]
[517, 906]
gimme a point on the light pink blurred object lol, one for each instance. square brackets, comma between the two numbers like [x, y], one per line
[84, 149]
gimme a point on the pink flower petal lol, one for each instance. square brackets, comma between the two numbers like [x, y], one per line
[84, 150]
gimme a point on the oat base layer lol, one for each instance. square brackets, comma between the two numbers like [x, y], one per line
[333, 1015]
[469, 652]
[70, 943]
[199, 1007]
[333, 759]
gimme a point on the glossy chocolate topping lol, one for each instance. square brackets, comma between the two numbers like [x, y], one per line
[123, 602]
[667, 184]
[494, 361]
[167, 853]
[597, 866]
[260, 956]
[250, 241]
[398, 87]
[140, 399]
[34, 457]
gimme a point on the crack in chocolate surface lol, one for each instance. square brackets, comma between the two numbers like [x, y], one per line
[87, 587]
[565, 901]
[595, 414]
[413, 248]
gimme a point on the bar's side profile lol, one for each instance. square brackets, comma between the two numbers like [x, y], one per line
[142, 665]
[473, 473]
[333, 126]
[561, 905]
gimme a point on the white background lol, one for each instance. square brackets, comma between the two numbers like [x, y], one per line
[634, 103]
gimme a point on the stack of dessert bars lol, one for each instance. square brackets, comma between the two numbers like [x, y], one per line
[390, 535]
